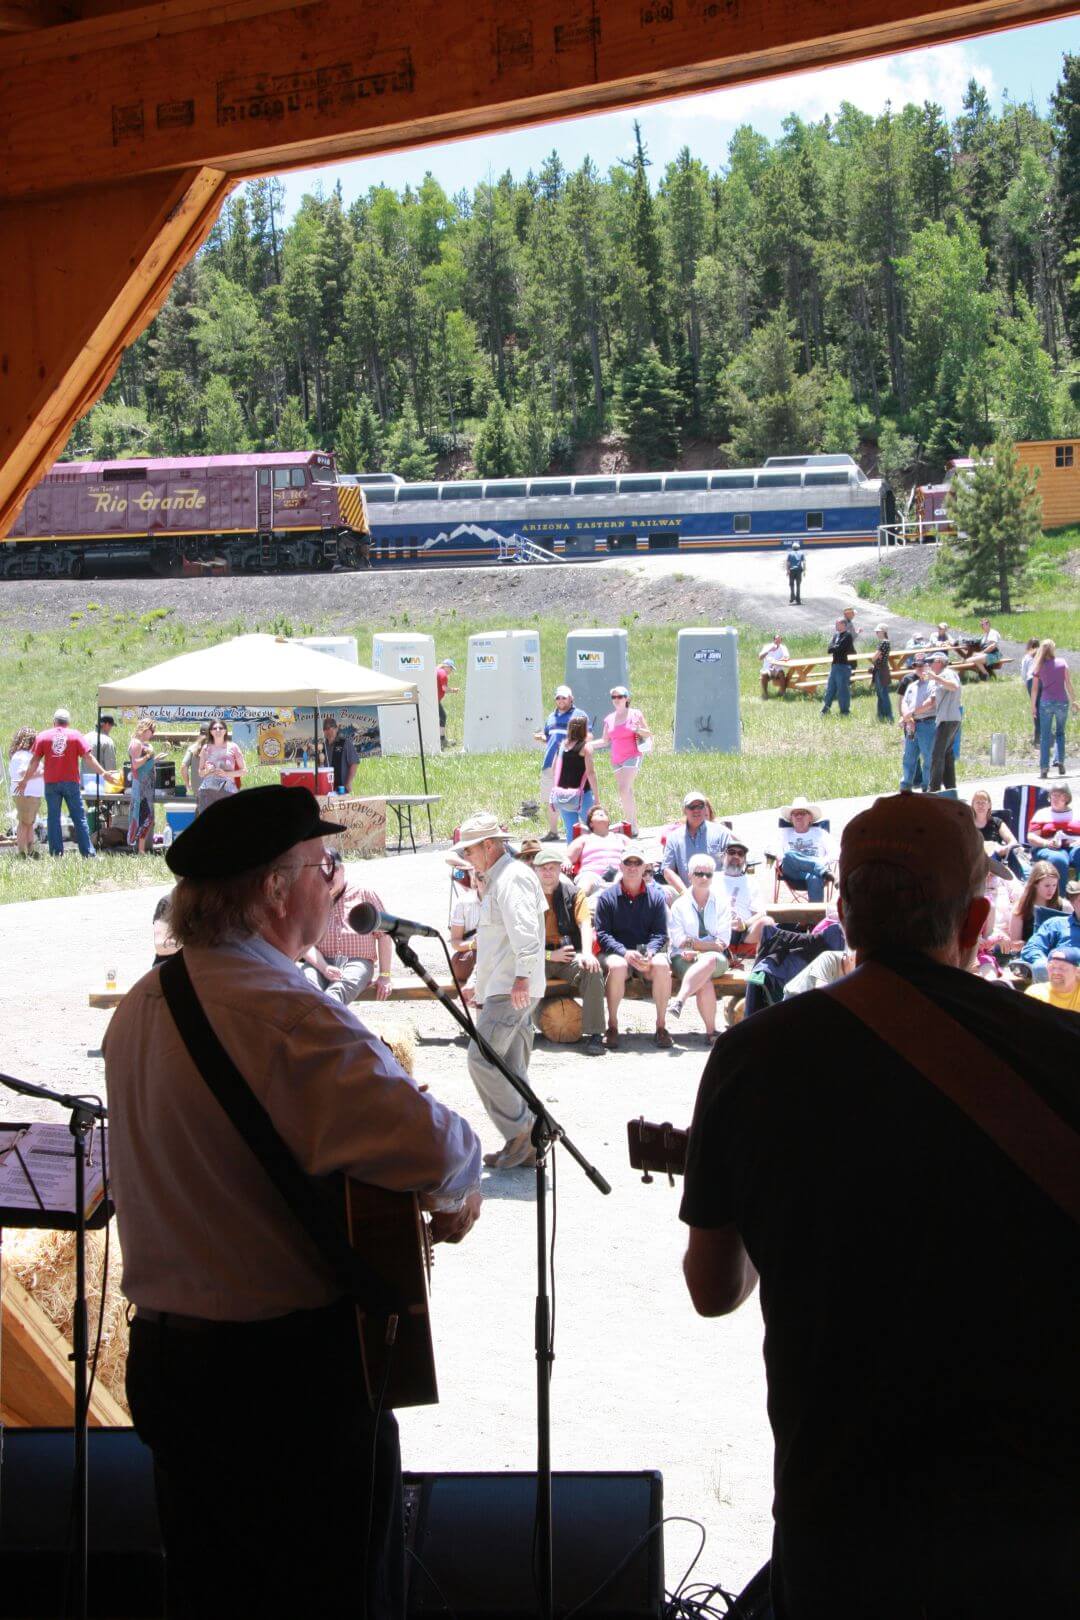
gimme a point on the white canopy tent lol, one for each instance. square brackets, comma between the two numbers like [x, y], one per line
[261, 672]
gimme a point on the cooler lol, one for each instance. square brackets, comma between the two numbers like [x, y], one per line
[306, 778]
[179, 816]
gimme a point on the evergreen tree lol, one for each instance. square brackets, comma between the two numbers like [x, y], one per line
[645, 244]
[533, 427]
[293, 431]
[357, 447]
[648, 407]
[1065, 109]
[1025, 376]
[774, 411]
[405, 452]
[997, 511]
[495, 452]
[118, 431]
[224, 431]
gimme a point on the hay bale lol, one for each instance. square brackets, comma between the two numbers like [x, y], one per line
[44, 1262]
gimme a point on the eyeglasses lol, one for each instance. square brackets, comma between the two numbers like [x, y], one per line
[330, 863]
[696, 804]
[701, 871]
[633, 863]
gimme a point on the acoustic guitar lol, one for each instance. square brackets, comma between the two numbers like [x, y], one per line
[389, 1230]
[657, 1147]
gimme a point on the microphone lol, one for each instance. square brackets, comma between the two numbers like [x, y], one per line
[366, 919]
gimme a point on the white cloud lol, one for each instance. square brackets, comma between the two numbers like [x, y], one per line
[939, 74]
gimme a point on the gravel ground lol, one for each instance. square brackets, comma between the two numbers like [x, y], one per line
[640, 1381]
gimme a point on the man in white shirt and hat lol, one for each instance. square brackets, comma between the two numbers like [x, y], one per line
[509, 980]
[807, 853]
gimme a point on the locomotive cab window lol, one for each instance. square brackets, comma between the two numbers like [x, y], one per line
[281, 477]
[264, 477]
[815, 520]
[1063, 456]
[297, 477]
[741, 523]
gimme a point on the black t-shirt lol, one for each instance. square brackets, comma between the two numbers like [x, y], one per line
[992, 831]
[841, 645]
[920, 1294]
[343, 757]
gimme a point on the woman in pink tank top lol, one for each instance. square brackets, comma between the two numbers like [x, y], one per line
[624, 733]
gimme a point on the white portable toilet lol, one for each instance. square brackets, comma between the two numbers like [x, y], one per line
[336, 646]
[597, 660]
[407, 658]
[707, 692]
[503, 701]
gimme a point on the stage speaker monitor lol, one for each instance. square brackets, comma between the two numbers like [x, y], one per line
[127, 1564]
[470, 1541]
[597, 660]
[503, 701]
[407, 657]
[707, 692]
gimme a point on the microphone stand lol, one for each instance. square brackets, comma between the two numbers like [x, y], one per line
[546, 1134]
[85, 1113]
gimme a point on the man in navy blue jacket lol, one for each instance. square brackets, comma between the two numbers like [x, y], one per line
[1055, 931]
[632, 929]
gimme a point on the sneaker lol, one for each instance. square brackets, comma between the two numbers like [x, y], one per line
[551, 838]
[663, 1037]
[674, 1008]
[518, 1153]
[611, 1038]
[594, 1046]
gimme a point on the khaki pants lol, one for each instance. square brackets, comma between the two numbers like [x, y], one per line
[510, 1032]
[589, 986]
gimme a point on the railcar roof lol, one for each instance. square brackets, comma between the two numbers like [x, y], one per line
[270, 458]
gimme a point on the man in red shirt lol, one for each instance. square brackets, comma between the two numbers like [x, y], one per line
[343, 962]
[60, 750]
[443, 672]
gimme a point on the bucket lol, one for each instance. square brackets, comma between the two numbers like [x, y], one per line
[997, 748]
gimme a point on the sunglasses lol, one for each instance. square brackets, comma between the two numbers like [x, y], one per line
[696, 804]
[633, 863]
[700, 871]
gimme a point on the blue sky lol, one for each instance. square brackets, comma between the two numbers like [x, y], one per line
[1025, 62]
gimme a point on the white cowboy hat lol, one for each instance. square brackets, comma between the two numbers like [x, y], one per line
[800, 803]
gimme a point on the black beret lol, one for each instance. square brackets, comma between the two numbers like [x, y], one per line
[246, 830]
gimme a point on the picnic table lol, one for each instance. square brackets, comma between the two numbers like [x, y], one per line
[807, 674]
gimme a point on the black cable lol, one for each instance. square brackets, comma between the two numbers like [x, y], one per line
[419, 1562]
[674, 1518]
[383, 1385]
[466, 1009]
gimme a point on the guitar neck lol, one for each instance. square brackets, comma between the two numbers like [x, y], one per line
[660, 1148]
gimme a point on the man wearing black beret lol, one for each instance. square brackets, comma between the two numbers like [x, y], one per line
[279, 1492]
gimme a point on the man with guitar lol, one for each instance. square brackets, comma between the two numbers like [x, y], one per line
[897, 1158]
[279, 1487]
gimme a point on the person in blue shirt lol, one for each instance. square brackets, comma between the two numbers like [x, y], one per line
[1055, 931]
[552, 734]
[796, 567]
[699, 834]
[631, 925]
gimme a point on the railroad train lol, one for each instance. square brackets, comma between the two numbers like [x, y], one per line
[276, 513]
[286, 513]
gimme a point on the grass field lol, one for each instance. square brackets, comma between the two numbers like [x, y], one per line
[1050, 605]
[788, 747]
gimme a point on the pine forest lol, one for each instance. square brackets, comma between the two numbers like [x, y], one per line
[894, 286]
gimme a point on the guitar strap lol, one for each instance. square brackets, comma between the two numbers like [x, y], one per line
[992, 1095]
[304, 1196]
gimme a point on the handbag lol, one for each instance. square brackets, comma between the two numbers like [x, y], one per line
[565, 798]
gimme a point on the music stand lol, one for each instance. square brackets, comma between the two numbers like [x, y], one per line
[85, 1113]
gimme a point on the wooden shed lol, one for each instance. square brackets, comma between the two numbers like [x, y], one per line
[1057, 462]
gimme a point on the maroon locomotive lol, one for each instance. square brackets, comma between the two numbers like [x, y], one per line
[225, 514]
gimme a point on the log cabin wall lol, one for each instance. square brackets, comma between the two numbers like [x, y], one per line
[122, 128]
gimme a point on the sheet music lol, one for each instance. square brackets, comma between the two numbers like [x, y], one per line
[42, 1157]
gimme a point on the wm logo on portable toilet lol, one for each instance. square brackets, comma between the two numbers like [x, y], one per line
[588, 659]
[410, 663]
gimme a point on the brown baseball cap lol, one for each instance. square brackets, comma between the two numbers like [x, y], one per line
[932, 838]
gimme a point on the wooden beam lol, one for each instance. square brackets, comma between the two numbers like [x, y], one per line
[80, 276]
[36, 1383]
[255, 85]
[16, 16]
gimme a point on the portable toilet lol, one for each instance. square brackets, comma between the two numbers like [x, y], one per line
[335, 646]
[596, 660]
[407, 658]
[504, 704]
[707, 692]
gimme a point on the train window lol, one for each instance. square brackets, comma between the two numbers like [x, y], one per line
[686, 481]
[731, 481]
[779, 480]
[264, 477]
[506, 491]
[741, 523]
[380, 492]
[297, 477]
[552, 486]
[1063, 456]
[417, 492]
[124, 475]
[281, 477]
[462, 492]
[815, 520]
[594, 486]
[640, 486]
[819, 480]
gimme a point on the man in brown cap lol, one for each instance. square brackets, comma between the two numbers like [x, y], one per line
[919, 1264]
[263, 1514]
